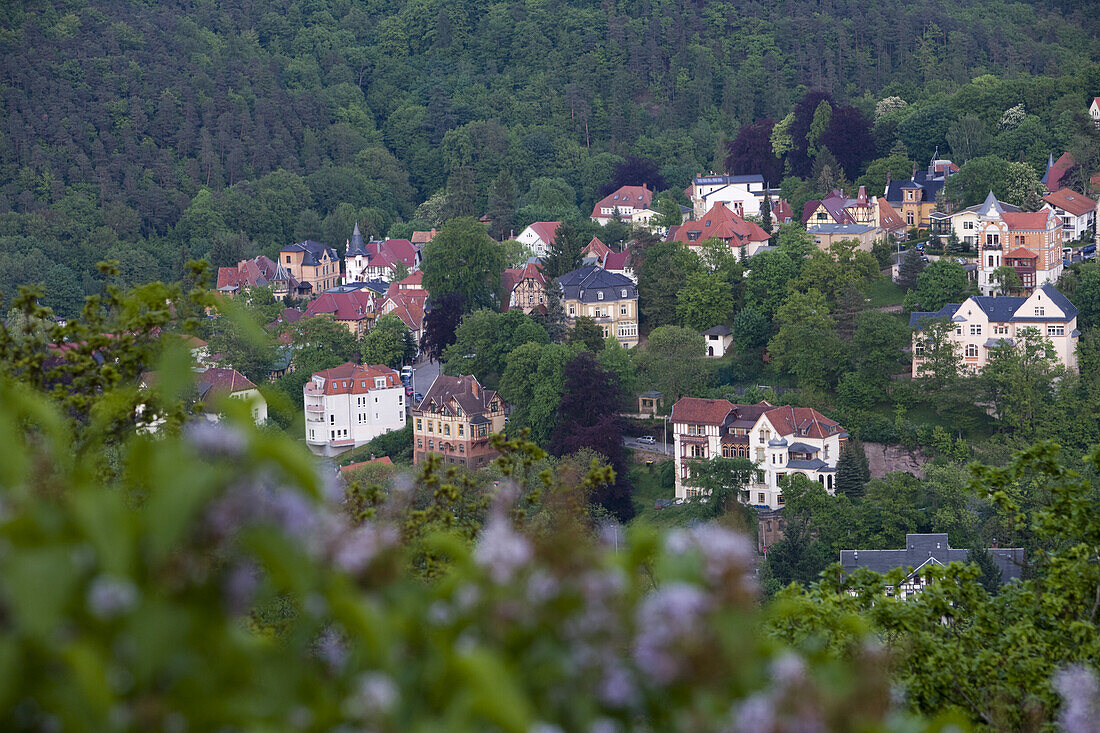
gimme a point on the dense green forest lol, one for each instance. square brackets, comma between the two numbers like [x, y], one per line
[151, 133]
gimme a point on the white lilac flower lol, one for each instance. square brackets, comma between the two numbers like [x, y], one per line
[331, 649]
[375, 694]
[541, 587]
[110, 597]
[359, 547]
[723, 550]
[1080, 694]
[787, 670]
[502, 551]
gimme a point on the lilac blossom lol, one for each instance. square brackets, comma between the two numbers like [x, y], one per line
[724, 551]
[663, 620]
[241, 583]
[215, 439]
[502, 551]
[360, 546]
[375, 694]
[331, 649]
[1080, 694]
[110, 597]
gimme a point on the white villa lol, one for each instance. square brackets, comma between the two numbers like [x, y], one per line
[348, 405]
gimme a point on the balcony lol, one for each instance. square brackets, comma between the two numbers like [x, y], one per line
[311, 388]
[315, 408]
[341, 442]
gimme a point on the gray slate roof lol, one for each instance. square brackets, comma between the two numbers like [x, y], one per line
[1002, 309]
[355, 246]
[920, 547]
[801, 448]
[585, 284]
[814, 464]
[314, 251]
[839, 228]
[718, 331]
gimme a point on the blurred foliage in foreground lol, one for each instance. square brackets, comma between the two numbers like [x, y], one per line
[208, 577]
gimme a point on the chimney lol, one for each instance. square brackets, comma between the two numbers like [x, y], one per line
[914, 172]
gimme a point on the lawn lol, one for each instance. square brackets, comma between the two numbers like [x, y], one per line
[647, 490]
[883, 292]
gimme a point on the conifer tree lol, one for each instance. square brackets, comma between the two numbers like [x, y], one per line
[766, 211]
[502, 206]
[850, 471]
[565, 252]
[910, 267]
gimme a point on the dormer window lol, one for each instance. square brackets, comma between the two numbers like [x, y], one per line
[599, 295]
[624, 293]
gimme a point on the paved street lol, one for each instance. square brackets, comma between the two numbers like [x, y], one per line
[424, 374]
[665, 448]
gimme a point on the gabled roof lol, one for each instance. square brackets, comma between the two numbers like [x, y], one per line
[466, 391]
[545, 230]
[1053, 177]
[636, 197]
[314, 252]
[423, 237]
[924, 549]
[835, 204]
[718, 331]
[356, 466]
[1004, 309]
[726, 179]
[617, 261]
[888, 218]
[352, 378]
[355, 305]
[410, 309]
[513, 276]
[720, 222]
[916, 318]
[1021, 253]
[700, 411]
[596, 248]
[1027, 221]
[802, 421]
[781, 209]
[1070, 201]
[223, 382]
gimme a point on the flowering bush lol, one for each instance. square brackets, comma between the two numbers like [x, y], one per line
[216, 581]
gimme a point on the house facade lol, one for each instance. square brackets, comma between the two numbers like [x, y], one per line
[525, 287]
[922, 551]
[373, 260]
[1094, 111]
[218, 384]
[781, 441]
[455, 419]
[915, 200]
[721, 222]
[741, 194]
[982, 323]
[1077, 212]
[312, 264]
[609, 299]
[719, 340]
[863, 219]
[349, 405]
[354, 309]
[539, 236]
[629, 204]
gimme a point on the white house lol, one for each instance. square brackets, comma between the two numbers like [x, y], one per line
[539, 236]
[629, 204]
[741, 194]
[719, 340]
[373, 260]
[781, 441]
[1077, 212]
[1094, 111]
[348, 405]
[217, 384]
[982, 322]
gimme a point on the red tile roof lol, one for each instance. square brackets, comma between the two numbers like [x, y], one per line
[1021, 221]
[1021, 253]
[888, 218]
[410, 309]
[699, 411]
[224, 382]
[596, 248]
[1069, 200]
[352, 378]
[637, 197]
[720, 222]
[385, 460]
[351, 306]
[801, 421]
[782, 211]
[546, 230]
[1056, 171]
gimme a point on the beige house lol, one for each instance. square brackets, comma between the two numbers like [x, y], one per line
[608, 298]
[311, 263]
[455, 419]
[982, 322]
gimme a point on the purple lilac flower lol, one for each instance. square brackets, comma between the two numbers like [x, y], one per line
[241, 583]
[359, 547]
[723, 550]
[331, 649]
[502, 551]
[219, 440]
[375, 694]
[617, 687]
[110, 597]
[1080, 694]
[663, 619]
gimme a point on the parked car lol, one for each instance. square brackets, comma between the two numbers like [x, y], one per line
[1089, 251]
[408, 391]
[662, 503]
[647, 439]
[406, 371]
[418, 398]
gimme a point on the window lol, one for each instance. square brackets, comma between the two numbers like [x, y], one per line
[624, 310]
[971, 350]
[331, 419]
[572, 310]
[825, 454]
[419, 424]
[991, 260]
[599, 295]
[760, 497]
[430, 427]
[1040, 310]
[918, 349]
[288, 259]
[624, 293]
[1000, 330]
[822, 216]
[779, 499]
[958, 330]
[461, 429]
[447, 429]
[909, 218]
[431, 445]
[993, 239]
[975, 329]
[698, 451]
[1056, 330]
[968, 225]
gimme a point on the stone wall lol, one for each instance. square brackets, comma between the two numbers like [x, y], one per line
[884, 459]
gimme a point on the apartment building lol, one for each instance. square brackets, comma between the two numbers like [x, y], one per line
[349, 405]
[781, 441]
[455, 419]
[608, 298]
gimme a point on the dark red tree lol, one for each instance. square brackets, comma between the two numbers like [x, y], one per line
[634, 171]
[751, 151]
[848, 138]
[588, 417]
[440, 322]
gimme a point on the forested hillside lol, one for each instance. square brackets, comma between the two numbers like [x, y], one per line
[302, 117]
